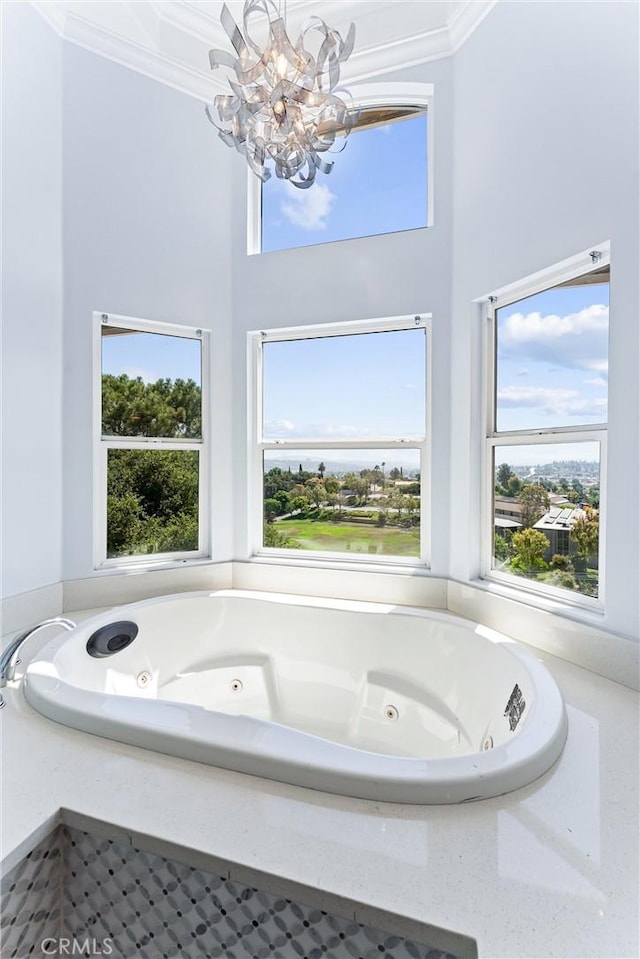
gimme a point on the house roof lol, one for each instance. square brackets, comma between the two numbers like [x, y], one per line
[559, 518]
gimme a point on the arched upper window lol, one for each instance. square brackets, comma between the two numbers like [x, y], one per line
[380, 183]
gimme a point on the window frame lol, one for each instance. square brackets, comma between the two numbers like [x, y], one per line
[102, 443]
[365, 96]
[257, 444]
[589, 261]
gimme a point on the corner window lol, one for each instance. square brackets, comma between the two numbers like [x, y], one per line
[150, 424]
[380, 182]
[340, 441]
[547, 428]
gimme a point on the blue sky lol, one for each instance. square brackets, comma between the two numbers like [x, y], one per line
[378, 185]
[152, 356]
[552, 359]
[341, 387]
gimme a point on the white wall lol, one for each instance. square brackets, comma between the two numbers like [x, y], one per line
[146, 233]
[392, 275]
[546, 165]
[31, 302]
[536, 158]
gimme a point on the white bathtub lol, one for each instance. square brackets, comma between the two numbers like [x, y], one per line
[360, 699]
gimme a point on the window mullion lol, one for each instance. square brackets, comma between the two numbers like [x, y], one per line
[150, 442]
[324, 444]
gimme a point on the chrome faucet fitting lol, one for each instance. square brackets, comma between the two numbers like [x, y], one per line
[9, 660]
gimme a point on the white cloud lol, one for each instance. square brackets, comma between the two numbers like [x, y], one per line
[597, 381]
[523, 372]
[557, 402]
[278, 428]
[575, 341]
[310, 208]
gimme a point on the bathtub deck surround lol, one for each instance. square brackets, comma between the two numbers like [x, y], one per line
[360, 699]
[548, 870]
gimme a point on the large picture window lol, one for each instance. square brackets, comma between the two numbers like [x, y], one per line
[150, 425]
[364, 194]
[547, 428]
[340, 441]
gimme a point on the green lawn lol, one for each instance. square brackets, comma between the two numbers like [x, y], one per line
[344, 537]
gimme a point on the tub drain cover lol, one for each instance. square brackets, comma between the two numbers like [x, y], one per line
[111, 639]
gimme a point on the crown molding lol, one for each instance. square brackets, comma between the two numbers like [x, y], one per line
[53, 15]
[398, 55]
[184, 17]
[466, 19]
[150, 63]
[190, 19]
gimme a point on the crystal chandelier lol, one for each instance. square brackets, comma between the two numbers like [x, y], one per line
[284, 105]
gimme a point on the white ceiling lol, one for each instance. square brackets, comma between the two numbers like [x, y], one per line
[169, 40]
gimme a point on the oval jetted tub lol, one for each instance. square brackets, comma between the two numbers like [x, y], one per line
[361, 699]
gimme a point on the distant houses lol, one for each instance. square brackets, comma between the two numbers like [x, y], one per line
[507, 513]
[556, 524]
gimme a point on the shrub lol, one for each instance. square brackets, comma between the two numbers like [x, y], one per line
[561, 578]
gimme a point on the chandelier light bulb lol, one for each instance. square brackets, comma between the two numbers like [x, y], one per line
[284, 111]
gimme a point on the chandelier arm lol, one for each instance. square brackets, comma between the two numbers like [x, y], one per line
[306, 181]
[347, 45]
[325, 166]
[233, 32]
[328, 52]
[221, 58]
[297, 56]
[257, 6]
[227, 108]
[250, 70]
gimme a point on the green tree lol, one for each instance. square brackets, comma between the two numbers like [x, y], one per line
[283, 498]
[274, 538]
[534, 500]
[152, 495]
[530, 546]
[501, 548]
[514, 485]
[167, 408]
[271, 509]
[316, 491]
[299, 504]
[377, 477]
[152, 501]
[332, 485]
[503, 474]
[321, 470]
[359, 487]
[585, 533]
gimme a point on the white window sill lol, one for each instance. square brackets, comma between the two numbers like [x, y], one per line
[586, 610]
[150, 565]
[335, 563]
